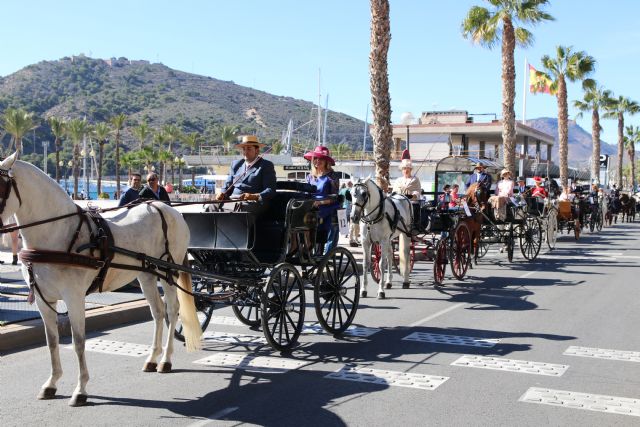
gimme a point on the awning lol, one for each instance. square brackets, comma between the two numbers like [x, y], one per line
[466, 164]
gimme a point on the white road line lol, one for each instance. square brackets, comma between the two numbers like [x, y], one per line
[218, 415]
[452, 339]
[434, 315]
[275, 365]
[589, 402]
[531, 273]
[390, 378]
[511, 365]
[603, 353]
[118, 348]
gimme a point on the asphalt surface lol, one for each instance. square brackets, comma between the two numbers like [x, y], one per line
[580, 297]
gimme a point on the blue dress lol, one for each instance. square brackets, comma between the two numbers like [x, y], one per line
[327, 185]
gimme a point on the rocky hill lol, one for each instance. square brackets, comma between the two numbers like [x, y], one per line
[579, 140]
[98, 89]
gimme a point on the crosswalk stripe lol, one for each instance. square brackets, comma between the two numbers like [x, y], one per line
[586, 401]
[99, 345]
[603, 353]
[511, 365]
[390, 378]
[451, 339]
[248, 362]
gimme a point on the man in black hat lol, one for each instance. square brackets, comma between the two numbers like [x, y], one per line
[479, 175]
[522, 186]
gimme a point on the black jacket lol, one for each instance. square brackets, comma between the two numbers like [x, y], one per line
[147, 193]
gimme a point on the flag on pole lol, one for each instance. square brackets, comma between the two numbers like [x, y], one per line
[539, 83]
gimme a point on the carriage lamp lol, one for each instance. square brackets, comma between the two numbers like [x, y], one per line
[83, 152]
[61, 163]
[70, 164]
[92, 153]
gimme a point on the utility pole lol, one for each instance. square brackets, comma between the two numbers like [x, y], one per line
[45, 145]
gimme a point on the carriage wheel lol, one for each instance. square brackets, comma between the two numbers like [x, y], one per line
[336, 290]
[552, 228]
[461, 251]
[204, 308]
[375, 262]
[483, 248]
[283, 306]
[530, 238]
[249, 311]
[510, 243]
[592, 222]
[440, 262]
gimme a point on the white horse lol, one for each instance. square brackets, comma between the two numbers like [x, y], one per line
[32, 196]
[382, 219]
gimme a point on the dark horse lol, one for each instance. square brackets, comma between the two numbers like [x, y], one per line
[477, 197]
[627, 207]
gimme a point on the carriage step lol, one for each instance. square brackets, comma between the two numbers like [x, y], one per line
[217, 296]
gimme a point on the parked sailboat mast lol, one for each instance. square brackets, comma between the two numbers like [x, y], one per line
[324, 125]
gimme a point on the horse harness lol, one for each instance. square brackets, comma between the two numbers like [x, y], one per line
[393, 221]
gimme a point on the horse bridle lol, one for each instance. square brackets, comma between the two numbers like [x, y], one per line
[7, 182]
[365, 218]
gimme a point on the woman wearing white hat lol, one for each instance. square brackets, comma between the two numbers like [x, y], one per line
[505, 185]
[407, 184]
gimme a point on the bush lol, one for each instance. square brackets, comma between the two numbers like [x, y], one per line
[189, 189]
[104, 196]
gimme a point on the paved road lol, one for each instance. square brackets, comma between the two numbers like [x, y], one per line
[555, 332]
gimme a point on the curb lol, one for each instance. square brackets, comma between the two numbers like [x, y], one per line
[29, 333]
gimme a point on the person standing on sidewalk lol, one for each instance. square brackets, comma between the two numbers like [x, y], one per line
[15, 242]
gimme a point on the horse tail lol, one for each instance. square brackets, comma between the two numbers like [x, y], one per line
[191, 325]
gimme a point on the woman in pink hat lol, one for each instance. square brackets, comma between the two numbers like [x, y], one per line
[538, 190]
[327, 183]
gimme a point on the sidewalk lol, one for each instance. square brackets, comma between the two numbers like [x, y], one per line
[20, 322]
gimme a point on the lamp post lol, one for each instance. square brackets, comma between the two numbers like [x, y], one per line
[407, 120]
[45, 145]
[70, 171]
[180, 162]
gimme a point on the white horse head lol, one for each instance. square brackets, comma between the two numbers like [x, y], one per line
[366, 197]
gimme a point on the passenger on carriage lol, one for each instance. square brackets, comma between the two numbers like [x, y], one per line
[327, 182]
[407, 185]
[538, 190]
[522, 185]
[479, 175]
[444, 199]
[454, 197]
[252, 178]
[567, 195]
[505, 185]
[153, 190]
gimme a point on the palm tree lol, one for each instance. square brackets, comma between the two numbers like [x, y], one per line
[76, 131]
[632, 138]
[192, 140]
[277, 147]
[340, 150]
[379, 83]
[58, 130]
[572, 66]
[164, 157]
[180, 163]
[595, 98]
[617, 110]
[228, 134]
[18, 123]
[147, 156]
[130, 160]
[141, 132]
[486, 27]
[118, 124]
[101, 132]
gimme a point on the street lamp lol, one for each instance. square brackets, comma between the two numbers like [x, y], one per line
[407, 120]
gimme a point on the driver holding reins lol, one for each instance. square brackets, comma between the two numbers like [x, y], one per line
[252, 178]
[479, 175]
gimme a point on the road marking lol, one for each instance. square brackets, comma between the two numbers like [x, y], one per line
[390, 378]
[272, 365]
[119, 348]
[589, 402]
[230, 338]
[511, 365]
[308, 328]
[609, 254]
[528, 274]
[439, 313]
[603, 353]
[216, 416]
[452, 339]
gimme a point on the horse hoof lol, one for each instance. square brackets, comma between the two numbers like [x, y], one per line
[150, 367]
[381, 295]
[78, 400]
[47, 393]
[164, 368]
[405, 285]
[388, 285]
[363, 294]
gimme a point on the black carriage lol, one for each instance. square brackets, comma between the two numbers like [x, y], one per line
[263, 268]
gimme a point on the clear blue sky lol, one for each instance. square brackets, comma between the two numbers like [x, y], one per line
[279, 45]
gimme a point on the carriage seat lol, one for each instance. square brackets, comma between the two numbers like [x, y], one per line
[564, 209]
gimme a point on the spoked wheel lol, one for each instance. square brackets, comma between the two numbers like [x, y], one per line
[247, 306]
[283, 306]
[440, 262]
[530, 238]
[336, 290]
[552, 228]
[204, 308]
[483, 248]
[510, 242]
[375, 262]
[461, 251]
[592, 222]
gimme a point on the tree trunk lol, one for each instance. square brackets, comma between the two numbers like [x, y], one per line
[595, 153]
[57, 145]
[508, 96]
[180, 178]
[632, 159]
[620, 149]
[100, 160]
[379, 83]
[117, 164]
[563, 132]
[76, 169]
[193, 177]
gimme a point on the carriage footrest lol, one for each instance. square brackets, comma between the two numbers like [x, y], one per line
[217, 296]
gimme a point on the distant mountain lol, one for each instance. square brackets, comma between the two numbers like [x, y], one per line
[79, 86]
[579, 140]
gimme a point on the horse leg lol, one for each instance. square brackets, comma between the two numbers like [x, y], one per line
[171, 303]
[389, 263]
[76, 307]
[405, 259]
[366, 264]
[382, 265]
[148, 284]
[50, 319]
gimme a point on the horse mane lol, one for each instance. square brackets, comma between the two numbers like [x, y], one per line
[471, 191]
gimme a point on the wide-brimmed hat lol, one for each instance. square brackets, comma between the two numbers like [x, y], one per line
[537, 179]
[521, 178]
[320, 152]
[504, 172]
[478, 165]
[405, 164]
[248, 140]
